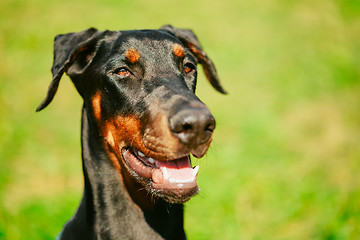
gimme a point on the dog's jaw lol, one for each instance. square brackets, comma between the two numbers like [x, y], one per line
[174, 180]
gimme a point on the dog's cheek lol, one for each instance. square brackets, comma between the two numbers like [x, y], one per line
[96, 106]
[111, 144]
[120, 132]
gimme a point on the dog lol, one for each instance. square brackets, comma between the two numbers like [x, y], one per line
[141, 121]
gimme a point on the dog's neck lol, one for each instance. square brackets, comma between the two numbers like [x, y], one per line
[107, 210]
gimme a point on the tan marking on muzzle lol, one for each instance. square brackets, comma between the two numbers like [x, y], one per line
[122, 131]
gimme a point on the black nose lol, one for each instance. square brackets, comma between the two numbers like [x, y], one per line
[192, 126]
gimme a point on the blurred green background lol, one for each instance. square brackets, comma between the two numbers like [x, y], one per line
[285, 161]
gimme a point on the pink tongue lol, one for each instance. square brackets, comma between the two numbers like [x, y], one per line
[179, 170]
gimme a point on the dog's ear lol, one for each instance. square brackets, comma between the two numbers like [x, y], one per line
[188, 38]
[68, 48]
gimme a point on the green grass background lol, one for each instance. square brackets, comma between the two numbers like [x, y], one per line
[285, 161]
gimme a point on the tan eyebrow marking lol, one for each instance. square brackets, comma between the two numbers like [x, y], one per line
[132, 55]
[178, 50]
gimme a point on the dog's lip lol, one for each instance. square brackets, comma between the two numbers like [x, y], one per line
[170, 174]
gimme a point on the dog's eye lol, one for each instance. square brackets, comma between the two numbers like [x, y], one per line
[189, 67]
[123, 72]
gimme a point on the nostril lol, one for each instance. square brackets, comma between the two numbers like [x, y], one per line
[210, 128]
[182, 124]
[210, 124]
[185, 132]
[186, 127]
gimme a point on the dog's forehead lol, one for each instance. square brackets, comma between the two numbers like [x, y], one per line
[154, 38]
[147, 43]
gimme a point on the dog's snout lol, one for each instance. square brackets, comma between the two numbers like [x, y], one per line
[193, 126]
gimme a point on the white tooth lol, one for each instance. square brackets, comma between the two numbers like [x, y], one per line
[151, 160]
[141, 154]
[195, 170]
[165, 173]
[173, 180]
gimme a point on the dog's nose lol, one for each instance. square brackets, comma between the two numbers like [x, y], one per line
[193, 126]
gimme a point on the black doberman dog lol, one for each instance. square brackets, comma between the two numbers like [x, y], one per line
[140, 122]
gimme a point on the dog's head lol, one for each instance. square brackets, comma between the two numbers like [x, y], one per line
[138, 89]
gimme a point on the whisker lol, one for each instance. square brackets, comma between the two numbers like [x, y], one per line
[134, 137]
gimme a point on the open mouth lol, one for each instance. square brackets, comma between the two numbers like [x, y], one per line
[176, 177]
